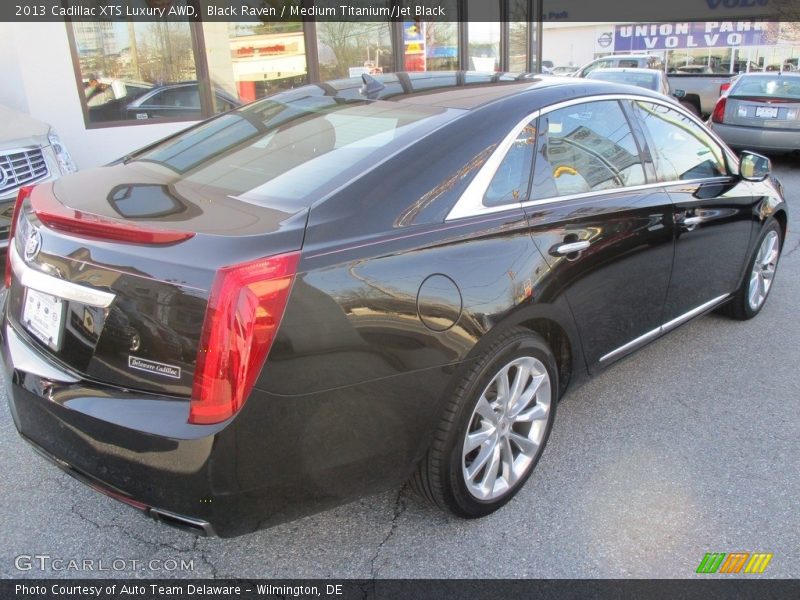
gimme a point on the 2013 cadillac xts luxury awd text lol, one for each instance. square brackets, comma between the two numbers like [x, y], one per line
[322, 294]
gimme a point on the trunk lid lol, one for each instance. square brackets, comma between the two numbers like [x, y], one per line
[767, 113]
[130, 314]
[765, 100]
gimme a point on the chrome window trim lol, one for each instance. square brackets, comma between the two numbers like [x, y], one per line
[47, 284]
[470, 203]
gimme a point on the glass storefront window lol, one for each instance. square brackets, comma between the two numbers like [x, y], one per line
[483, 36]
[431, 45]
[351, 49]
[247, 61]
[518, 36]
[136, 71]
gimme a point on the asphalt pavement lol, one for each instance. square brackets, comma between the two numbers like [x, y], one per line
[689, 446]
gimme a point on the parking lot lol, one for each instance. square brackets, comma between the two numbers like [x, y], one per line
[689, 446]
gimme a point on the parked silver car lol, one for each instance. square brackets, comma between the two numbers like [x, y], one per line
[760, 111]
[649, 79]
[30, 152]
[630, 61]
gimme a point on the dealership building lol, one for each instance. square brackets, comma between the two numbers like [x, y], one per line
[109, 87]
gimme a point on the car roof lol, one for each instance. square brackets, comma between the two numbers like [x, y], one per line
[627, 57]
[463, 90]
[625, 70]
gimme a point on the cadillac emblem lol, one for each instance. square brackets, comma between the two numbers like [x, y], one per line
[32, 245]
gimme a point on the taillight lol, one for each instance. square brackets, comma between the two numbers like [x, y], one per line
[55, 215]
[724, 87]
[23, 194]
[245, 309]
[719, 110]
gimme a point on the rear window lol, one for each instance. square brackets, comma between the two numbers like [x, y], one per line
[648, 81]
[290, 151]
[766, 86]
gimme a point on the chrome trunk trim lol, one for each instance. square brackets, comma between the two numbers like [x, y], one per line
[47, 284]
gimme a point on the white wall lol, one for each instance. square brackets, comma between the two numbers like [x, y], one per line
[573, 44]
[39, 79]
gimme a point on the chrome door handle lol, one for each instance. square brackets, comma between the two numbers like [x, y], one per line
[572, 247]
[692, 221]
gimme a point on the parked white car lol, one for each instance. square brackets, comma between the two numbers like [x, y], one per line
[30, 152]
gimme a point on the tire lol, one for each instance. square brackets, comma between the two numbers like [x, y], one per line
[495, 429]
[761, 269]
[691, 107]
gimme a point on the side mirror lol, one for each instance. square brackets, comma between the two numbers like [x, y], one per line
[754, 167]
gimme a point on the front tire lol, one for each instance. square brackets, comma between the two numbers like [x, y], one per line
[494, 428]
[751, 296]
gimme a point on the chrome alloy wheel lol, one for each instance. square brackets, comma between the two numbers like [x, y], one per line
[507, 428]
[763, 270]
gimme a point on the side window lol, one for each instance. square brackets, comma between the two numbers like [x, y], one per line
[681, 148]
[510, 183]
[585, 148]
[600, 64]
[184, 97]
[222, 104]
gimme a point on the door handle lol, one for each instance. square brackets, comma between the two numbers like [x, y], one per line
[571, 248]
[692, 221]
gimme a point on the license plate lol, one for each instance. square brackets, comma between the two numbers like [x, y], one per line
[767, 112]
[42, 315]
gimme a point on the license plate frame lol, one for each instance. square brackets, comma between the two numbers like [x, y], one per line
[767, 112]
[43, 317]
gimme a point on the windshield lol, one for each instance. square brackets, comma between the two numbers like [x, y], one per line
[292, 149]
[769, 86]
[648, 81]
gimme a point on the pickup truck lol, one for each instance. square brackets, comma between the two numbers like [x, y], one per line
[699, 91]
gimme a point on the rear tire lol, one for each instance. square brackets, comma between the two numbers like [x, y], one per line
[751, 296]
[494, 428]
[690, 107]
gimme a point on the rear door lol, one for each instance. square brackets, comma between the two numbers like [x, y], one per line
[714, 211]
[604, 229]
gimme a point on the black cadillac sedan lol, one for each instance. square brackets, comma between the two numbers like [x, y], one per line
[349, 285]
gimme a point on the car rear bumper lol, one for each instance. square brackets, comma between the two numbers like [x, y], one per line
[752, 138]
[160, 471]
[280, 458]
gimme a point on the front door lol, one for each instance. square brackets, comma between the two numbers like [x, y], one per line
[714, 211]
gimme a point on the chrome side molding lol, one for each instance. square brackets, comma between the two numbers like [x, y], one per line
[668, 326]
[47, 284]
[642, 339]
